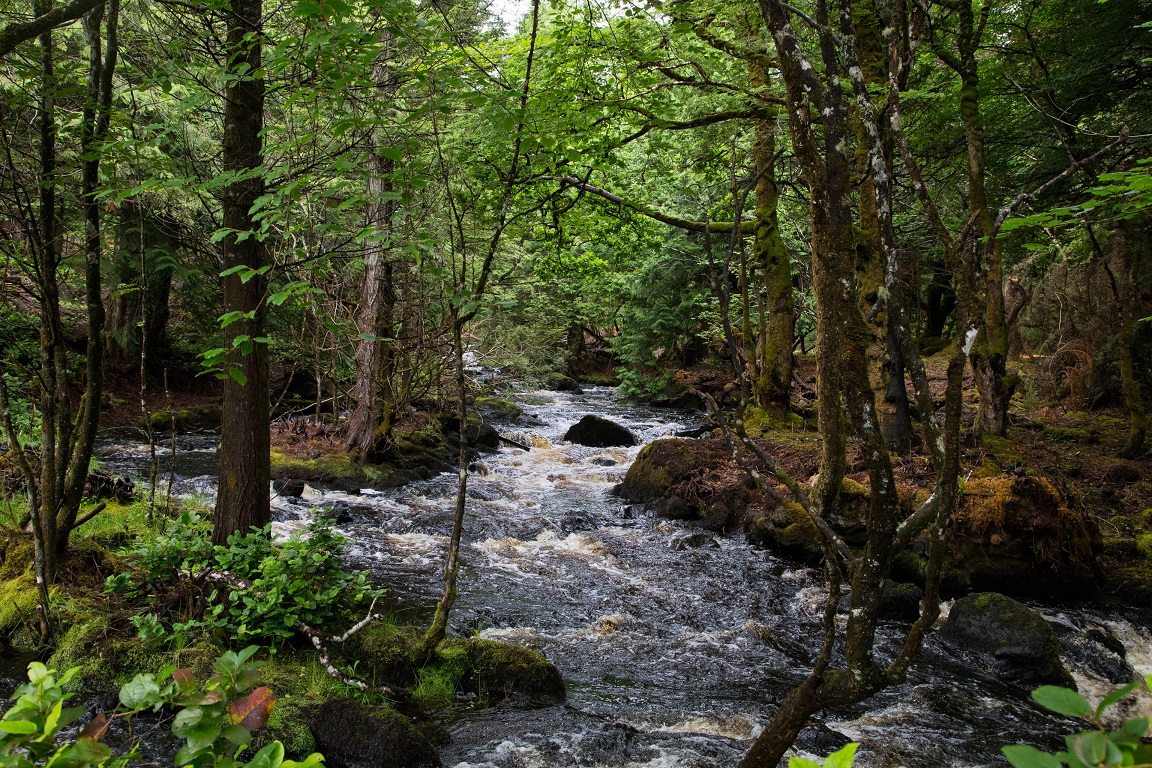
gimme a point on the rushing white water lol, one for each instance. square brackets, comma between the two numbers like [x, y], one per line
[675, 649]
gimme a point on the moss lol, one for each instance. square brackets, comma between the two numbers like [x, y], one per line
[760, 421]
[1003, 451]
[502, 410]
[1072, 434]
[504, 669]
[443, 675]
[288, 724]
[185, 418]
[18, 598]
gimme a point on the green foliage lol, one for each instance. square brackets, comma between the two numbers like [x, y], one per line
[216, 719]
[841, 758]
[1100, 746]
[301, 580]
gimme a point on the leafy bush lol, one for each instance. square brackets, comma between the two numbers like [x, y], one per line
[1099, 746]
[301, 580]
[216, 719]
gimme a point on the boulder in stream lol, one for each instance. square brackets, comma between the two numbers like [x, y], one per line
[689, 480]
[598, 432]
[1011, 639]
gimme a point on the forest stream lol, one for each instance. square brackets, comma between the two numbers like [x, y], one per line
[675, 643]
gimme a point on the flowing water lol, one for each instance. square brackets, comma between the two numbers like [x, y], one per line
[676, 644]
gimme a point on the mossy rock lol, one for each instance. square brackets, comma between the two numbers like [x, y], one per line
[502, 669]
[499, 410]
[1009, 638]
[186, 419]
[1022, 536]
[1005, 453]
[787, 530]
[354, 735]
[385, 653]
[689, 480]
[559, 382]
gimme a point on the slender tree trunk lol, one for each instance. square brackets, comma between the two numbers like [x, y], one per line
[772, 383]
[373, 393]
[990, 350]
[243, 499]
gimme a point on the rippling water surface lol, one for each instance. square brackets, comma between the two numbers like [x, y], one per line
[676, 644]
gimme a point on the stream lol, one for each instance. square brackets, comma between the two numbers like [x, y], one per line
[676, 644]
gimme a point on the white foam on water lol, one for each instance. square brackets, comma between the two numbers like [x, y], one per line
[741, 727]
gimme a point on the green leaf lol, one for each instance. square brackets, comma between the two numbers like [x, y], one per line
[1114, 697]
[842, 758]
[800, 762]
[1062, 700]
[1092, 747]
[18, 726]
[1024, 756]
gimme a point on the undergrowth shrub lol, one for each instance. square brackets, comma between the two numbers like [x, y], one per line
[301, 580]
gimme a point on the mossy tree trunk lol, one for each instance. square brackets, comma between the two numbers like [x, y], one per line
[56, 487]
[772, 379]
[844, 386]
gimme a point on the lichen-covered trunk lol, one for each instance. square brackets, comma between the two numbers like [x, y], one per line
[243, 500]
[772, 380]
[990, 349]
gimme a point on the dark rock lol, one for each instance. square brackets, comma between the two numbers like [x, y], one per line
[688, 480]
[1009, 638]
[1096, 648]
[693, 540]
[289, 488]
[695, 431]
[900, 602]
[499, 410]
[558, 382]
[604, 461]
[599, 432]
[502, 669]
[353, 735]
[103, 485]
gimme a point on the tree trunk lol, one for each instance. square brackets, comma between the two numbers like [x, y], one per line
[243, 499]
[373, 393]
[772, 384]
[143, 265]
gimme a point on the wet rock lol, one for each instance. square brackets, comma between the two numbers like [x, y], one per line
[495, 409]
[688, 480]
[501, 669]
[693, 540]
[819, 739]
[604, 461]
[900, 602]
[700, 431]
[1022, 536]
[1096, 648]
[558, 382]
[599, 432]
[1009, 638]
[289, 488]
[354, 735]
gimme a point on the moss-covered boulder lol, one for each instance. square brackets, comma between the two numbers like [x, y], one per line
[559, 382]
[495, 409]
[1021, 536]
[500, 670]
[1008, 638]
[689, 480]
[354, 735]
[486, 668]
[185, 419]
[788, 530]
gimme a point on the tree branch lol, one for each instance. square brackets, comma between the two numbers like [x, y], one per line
[22, 31]
[746, 227]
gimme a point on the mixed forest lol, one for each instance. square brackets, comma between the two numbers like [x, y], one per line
[893, 256]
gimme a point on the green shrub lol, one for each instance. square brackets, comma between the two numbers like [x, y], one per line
[301, 580]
